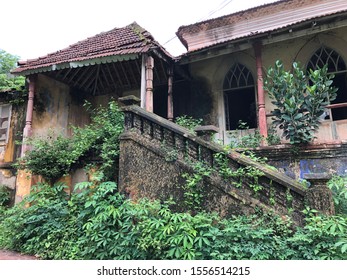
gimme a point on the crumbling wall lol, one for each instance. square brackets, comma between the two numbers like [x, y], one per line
[11, 148]
[154, 153]
[296, 161]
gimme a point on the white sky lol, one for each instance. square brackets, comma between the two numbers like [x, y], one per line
[33, 28]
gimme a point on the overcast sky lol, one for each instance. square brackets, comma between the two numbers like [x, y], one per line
[33, 28]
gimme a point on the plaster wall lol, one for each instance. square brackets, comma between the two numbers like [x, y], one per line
[55, 108]
[9, 150]
[300, 50]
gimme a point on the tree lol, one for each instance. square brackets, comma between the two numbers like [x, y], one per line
[299, 99]
[7, 80]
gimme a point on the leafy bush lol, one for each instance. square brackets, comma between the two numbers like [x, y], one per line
[8, 81]
[55, 156]
[300, 100]
[51, 157]
[323, 237]
[96, 222]
[338, 186]
[5, 195]
[188, 122]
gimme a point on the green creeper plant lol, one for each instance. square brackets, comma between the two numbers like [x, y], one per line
[299, 98]
[188, 122]
[5, 195]
[338, 186]
[56, 155]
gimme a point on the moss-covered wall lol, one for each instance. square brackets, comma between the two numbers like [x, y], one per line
[144, 172]
[155, 153]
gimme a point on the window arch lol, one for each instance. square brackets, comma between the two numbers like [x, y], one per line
[336, 66]
[239, 97]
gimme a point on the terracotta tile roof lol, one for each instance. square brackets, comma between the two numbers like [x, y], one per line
[255, 21]
[125, 41]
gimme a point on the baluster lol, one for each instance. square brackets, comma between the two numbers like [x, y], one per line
[147, 129]
[128, 120]
[157, 132]
[138, 123]
[168, 138]
[206, 155]
[180, 144]
[192, 150]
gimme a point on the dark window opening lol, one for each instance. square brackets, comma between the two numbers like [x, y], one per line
[239, 98]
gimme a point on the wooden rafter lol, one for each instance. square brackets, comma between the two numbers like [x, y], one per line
[96, 79]
[125, 74]
[118, 76]
[111, 76]
[91, 72]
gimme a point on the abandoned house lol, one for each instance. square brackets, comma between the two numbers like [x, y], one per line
[219, 79]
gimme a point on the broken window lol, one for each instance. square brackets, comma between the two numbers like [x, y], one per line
[336, 66]
[239, 98]
[5, 115]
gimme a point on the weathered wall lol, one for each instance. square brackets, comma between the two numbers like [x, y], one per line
[154, 153]
[10, 149]
[144, 172]
[214, 69]
[296, 161]
[55, 108]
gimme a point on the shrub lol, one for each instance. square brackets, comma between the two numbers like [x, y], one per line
[55, 156]
[5, 195]
[188, 122]
[338, 186]
[51, 157]
[96, 222]
[299, 99]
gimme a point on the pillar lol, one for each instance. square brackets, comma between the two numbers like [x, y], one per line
[149, 84]
[143, 81]
[261, 97]
[170, 113]
[27, 132]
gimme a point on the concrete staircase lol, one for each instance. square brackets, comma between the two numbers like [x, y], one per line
[154, 153]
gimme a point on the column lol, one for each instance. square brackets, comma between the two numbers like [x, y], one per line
[261, 97]
[149, 84]
[27, 132]
[170, 113]
[143, 81]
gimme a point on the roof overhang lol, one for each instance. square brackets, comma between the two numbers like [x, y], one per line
[302, 29]
[74, 64]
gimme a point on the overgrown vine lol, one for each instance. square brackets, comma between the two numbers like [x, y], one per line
[56, 155]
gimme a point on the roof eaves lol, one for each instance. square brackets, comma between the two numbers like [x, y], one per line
[254, 35]
[74, 64]
[183, 28]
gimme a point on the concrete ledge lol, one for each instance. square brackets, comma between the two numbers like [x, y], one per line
[129, 100]
[206, 131]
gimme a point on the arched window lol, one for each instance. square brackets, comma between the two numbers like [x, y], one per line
[336, 66]
[239, 97]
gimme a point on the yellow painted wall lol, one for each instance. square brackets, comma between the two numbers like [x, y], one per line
[55, 108]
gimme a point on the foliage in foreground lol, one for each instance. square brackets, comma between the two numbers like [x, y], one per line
[96, 222]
